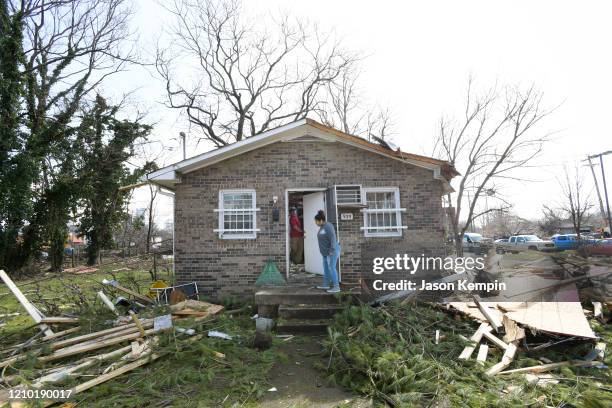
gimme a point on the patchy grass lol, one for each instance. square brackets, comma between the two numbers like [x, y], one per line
[389, 354]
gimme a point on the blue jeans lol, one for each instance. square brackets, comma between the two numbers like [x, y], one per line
[330, 274]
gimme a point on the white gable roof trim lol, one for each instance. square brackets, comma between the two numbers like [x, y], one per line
[170, 175]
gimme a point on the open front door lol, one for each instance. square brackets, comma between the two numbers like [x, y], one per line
[313, 260]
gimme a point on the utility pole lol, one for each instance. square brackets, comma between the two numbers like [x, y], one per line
[591, 165]
[603, 177]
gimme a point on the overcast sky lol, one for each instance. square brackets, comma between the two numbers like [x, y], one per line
[420, 54]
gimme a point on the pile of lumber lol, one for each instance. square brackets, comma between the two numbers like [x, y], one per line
[514, 320]
[63, 349]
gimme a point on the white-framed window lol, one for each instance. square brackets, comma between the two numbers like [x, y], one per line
[382, 216]
[237, 214]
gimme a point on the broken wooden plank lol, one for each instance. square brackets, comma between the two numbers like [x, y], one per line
[499, 343]
[552, 366]
[137, 323]
[191, 304]
[115, 373]
[482, 354]
[29, 307]
[20, 357]
[47, 338]
[84, 348]
[137, 295]
[513, 331]
[101, 335]
[62, 333]
[190, 313]
[59, 319]
[93, 382]
[87, 362]
[505, 362]
[484, 309]
[475, 339]
[67, 347]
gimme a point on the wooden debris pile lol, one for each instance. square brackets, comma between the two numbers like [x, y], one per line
[515, 320]
[71, 352]
[597, 272]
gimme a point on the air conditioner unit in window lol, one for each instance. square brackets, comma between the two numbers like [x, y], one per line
[349, 196]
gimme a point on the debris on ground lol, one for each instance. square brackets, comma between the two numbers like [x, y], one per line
[218, 334]
[197, 308]
[54, 356]
[113, 283]
[555, 311]
[539, 345]
[173, 294]
[80, 270]
[389, 353]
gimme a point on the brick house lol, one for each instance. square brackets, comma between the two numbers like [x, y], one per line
[231, 205]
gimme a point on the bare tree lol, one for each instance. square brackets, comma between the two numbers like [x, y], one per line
[505, 224]
[495, 136]
[250, 80]
[346, 109]
[576, 201]
[151, 216]
[551, 220]
[70, 47]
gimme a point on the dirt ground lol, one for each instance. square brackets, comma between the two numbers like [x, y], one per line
[300, 384]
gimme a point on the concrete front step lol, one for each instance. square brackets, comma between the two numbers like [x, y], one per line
[300, 296]
[308, 311]
[303, 326]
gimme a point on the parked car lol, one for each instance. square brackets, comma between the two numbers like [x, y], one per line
[499, 243]
[600, 247]
[474, 242]
[471, 240]
[518, 243]
[565, 241]
[571, 241]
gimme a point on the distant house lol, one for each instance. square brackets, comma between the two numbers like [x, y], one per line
[75, 239]
[569, 229]
[231, 204]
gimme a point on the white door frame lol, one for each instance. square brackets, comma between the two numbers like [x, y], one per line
[295, 190]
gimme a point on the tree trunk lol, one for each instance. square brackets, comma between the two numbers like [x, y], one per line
[93, 250]
[459, 244]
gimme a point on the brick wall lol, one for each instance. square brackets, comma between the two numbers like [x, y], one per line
[230, 267]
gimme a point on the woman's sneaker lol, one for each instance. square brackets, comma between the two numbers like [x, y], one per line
[333, 290]
[323, 287]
